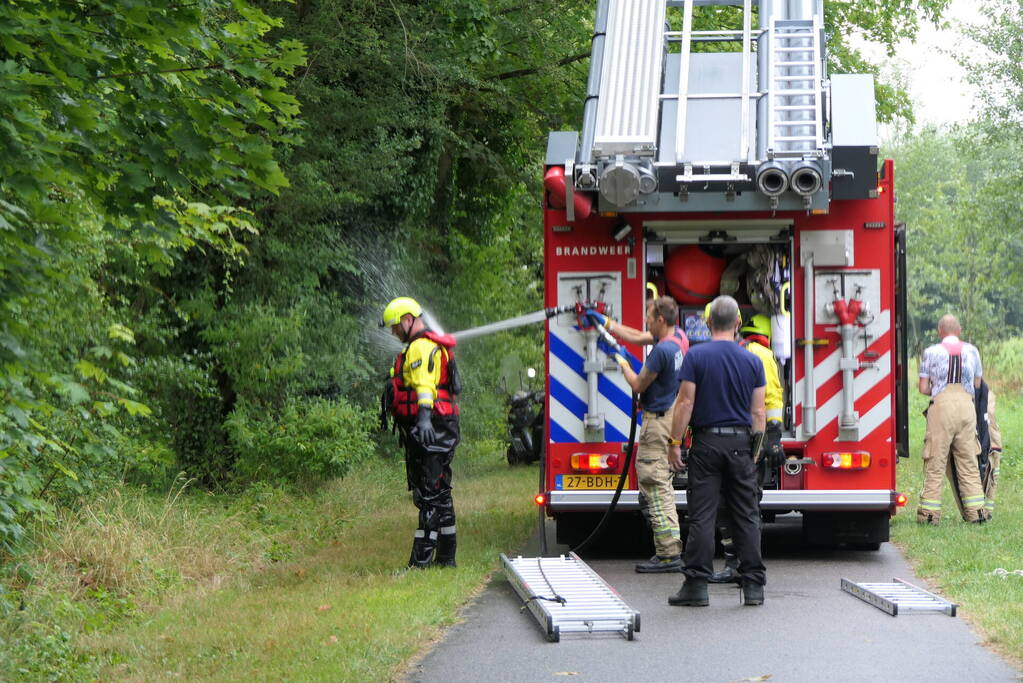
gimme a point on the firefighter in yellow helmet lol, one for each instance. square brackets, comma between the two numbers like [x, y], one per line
[757, 340]
[421, 398]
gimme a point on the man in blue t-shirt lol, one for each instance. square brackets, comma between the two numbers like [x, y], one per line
[722, 399]
[657, 384]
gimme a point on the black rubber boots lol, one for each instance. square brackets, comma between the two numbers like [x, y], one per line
[422, 552]
[446, 545]
[692, 594]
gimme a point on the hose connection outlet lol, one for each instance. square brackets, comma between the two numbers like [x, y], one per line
[772, 180]
[806, 179]
[793, 468]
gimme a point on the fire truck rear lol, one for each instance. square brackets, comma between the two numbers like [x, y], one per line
[728, 161]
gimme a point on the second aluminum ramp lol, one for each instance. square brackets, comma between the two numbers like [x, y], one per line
[899, 597]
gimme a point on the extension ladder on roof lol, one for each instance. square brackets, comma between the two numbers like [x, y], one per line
[566, 596]
[794, 111]
[899, 597]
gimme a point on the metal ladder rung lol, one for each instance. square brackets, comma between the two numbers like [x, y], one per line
[590, 604]
[809, 63]
[790, 93]
[795, 107]
[899, 597]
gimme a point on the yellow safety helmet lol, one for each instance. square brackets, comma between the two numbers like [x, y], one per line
[759, 324]
[398, 308]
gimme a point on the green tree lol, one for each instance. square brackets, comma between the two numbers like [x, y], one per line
[132, 131]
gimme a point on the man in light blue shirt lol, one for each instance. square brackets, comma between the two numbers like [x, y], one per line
[950, 373]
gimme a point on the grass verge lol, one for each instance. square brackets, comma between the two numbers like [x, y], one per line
[961, 559]
[271, 584]
[267, 585]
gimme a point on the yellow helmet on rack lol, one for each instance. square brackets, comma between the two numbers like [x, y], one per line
[398, 308]
[758, 324]
[706, 313]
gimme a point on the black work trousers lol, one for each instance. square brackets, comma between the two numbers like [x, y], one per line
[722, 466]
[428, 470]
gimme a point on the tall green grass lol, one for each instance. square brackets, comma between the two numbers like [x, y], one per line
[1003, 365]
[267, 585]
[961, 560]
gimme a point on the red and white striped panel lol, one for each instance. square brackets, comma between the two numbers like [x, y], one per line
[871, 386]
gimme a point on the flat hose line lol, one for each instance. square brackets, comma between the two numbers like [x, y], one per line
[603, 520]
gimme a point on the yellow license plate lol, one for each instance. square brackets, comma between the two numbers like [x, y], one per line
[577, 482]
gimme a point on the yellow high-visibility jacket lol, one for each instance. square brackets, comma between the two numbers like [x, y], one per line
[773, 398]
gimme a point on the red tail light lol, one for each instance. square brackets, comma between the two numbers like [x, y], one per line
[854, 460]
[900, 500]
[539, 499]
[594, 463]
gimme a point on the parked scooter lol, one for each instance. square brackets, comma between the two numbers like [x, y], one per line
[525, 425]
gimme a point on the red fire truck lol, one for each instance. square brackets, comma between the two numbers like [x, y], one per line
[728, 161]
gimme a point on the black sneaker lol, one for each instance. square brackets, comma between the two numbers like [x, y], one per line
[727, 575]
[660, 565]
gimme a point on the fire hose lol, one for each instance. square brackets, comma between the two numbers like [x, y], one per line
[629, 452]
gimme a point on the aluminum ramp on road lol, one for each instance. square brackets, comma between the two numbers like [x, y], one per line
[899, 597]
[566, 596]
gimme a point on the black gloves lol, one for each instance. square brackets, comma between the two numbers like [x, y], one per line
[423, 432]
[772, 445]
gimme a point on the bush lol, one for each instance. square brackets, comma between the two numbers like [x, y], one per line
[1003, 364]
[189, 409]
[311, 439]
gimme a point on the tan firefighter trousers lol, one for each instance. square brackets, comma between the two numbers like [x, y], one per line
[951, 432]
[655, 477]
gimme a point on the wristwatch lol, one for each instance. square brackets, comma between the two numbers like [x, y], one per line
[674, 442]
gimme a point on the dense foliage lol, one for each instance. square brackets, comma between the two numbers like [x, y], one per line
[958, 193]
[133, 132]
[192, 269]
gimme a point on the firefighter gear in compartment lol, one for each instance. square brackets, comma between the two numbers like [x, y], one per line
[758, 276]
[693, 275]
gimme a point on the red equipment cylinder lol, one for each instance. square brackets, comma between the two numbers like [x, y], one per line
[554, 182]
[693, 275]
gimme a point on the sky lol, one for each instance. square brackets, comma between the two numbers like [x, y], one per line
[937, 83]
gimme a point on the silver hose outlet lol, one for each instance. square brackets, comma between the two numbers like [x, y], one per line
[772, 178]
[793, 468]
[806, 179]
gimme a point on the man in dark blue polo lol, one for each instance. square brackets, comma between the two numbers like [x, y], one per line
[722, 399]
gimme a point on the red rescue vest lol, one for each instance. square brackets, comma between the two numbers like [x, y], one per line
[758, 338]
[405, 401]
[679, 339]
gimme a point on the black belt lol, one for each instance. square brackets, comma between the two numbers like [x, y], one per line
[722, 431]
[657, 413]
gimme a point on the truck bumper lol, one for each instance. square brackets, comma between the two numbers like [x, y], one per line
[781, 500]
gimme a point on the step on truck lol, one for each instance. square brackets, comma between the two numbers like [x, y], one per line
[728, 161]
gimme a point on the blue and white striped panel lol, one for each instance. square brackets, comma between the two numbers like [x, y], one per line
[568, 393]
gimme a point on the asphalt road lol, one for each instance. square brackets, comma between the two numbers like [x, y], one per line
[808, 630]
